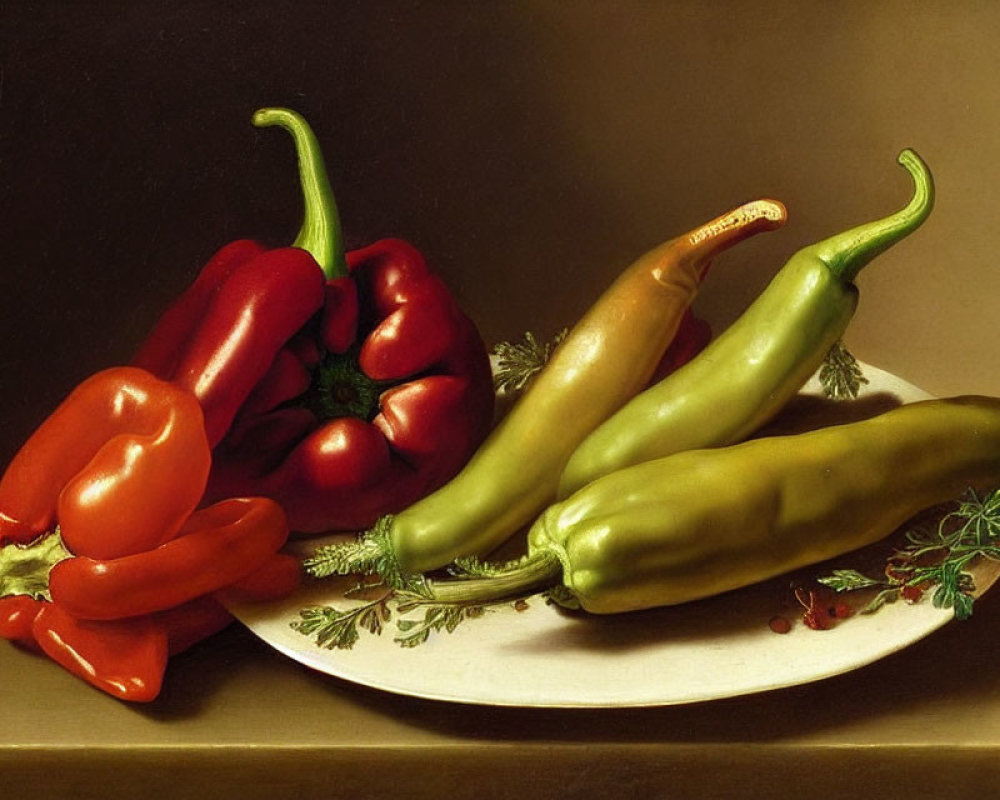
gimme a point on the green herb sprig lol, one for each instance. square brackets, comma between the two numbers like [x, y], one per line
[934, 558]
[519, 362]
[371, 554]
[439, 617]
[840, 374]
[335, 628]
[339, 629]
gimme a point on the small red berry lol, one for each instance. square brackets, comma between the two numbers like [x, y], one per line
[844, 610]
[912, 594]
[779, 624]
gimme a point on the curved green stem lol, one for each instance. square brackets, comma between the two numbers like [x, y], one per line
[372, 554]
[320, 233]
[847, 253]
[534, 574]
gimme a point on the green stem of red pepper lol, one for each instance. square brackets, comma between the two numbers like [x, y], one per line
[321, 233]
[341, 388]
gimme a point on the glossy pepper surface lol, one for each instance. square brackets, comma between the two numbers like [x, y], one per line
[748, 373]
[118, 466]
[343, 386]
[105, 565]
[703, 522]
[608, 356]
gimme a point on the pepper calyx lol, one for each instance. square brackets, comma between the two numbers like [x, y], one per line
[25, 568]
[340, 388]
[370, 554]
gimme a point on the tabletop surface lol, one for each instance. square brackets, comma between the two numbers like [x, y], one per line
[234, 713]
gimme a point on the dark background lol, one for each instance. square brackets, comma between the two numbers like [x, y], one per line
[530, 149]
[128, 156]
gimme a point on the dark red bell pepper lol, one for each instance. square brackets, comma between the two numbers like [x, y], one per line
[221, 337]
[341, 415]
[105, 565]
[693, 334]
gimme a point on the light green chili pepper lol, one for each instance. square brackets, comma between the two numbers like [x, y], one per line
[753, 368]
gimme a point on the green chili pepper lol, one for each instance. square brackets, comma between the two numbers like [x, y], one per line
[607, 357]
[703, 522]
[753, 368]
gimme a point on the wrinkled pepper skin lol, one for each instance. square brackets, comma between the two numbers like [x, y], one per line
[751, 370]
[114, 477]
[125, 658]
[193, 622]
[608, 356]
[217, 547]
[17, 615]
[702, 522]
[342, 385]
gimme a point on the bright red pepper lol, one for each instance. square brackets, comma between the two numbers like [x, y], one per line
[220, 339]
[376, 401]
[119, 466]
[109, 566]
[218, 546]
[193, 622]
[125, 658]
[17, 615]
[276, 578]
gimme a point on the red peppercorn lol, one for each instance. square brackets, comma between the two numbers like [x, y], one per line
[779, 624]
[912, 594]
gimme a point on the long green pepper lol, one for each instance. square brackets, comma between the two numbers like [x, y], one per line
[744, 377]
[702, 522]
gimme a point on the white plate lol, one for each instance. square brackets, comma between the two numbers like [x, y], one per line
[543, 656]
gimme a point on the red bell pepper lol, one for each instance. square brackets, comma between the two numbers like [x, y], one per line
[376, 400]
[222, 335]
[125, 658]
[105, 565]
[17, 615]
[218, 546]
[119, 465]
